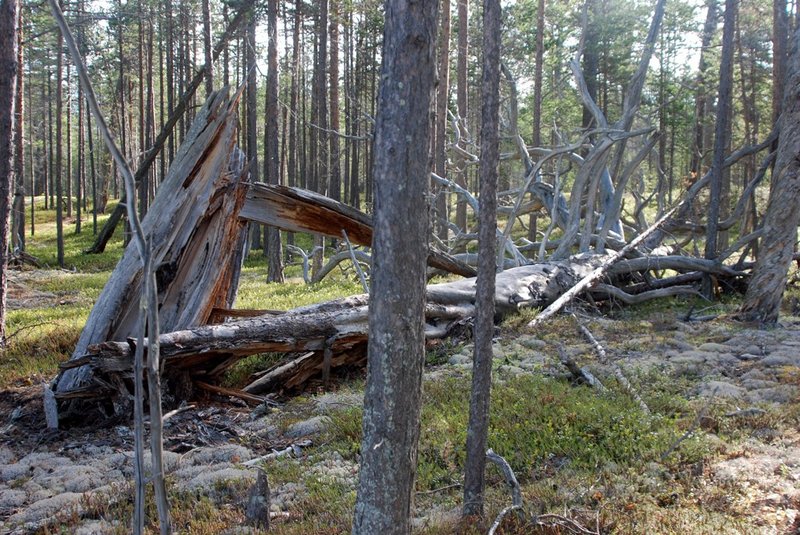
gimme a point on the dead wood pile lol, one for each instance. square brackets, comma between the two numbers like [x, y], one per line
[197, 227]
[335, 329]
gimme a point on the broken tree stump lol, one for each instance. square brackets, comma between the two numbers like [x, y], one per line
[196, 243]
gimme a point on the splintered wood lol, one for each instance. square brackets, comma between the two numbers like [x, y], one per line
[196, 240]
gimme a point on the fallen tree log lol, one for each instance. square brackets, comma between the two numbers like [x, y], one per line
[205, 352]
[339, 328]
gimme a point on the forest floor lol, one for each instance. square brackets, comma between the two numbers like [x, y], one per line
[719, 451]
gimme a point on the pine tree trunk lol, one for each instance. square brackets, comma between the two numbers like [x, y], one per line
[335, 187]
[461, 101]
[396, 351]
[780, 31]
[272, 164]
[207, 48]
[250, 119]
[323, 144]
[18, 210]
[721, 138]
[478, 428]
[763, 298]
[9, 18]
[68, 136]
[58, 163]
[699, 147]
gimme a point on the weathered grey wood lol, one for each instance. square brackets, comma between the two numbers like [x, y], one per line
[205, 350]
[299, 210]
[193, 239]
[257, 511]
[594, 277]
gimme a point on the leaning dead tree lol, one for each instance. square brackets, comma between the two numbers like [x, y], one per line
[196, 242]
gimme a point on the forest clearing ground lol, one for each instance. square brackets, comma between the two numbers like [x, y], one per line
[594, 457]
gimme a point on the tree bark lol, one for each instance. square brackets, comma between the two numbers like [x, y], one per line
[763, 298]
[297, 210]
[9, 68]
[272, 164]
[721, 138]
[396, 325]
[478, 429]
[18, 214]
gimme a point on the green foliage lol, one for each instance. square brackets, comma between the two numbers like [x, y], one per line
[43, 244]
[534, 422]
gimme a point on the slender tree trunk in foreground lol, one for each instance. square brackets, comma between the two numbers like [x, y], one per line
[478, 430]
[8, 80]
[396, 352]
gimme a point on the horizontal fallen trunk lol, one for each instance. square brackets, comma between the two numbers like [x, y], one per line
[339, 329]
[340, 326]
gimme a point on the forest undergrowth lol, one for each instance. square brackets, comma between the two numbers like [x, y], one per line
[595, 458]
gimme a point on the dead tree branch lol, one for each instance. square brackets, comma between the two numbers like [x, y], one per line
[356, 265]
[355, 256]
[601, 354]
[148, 308]
[513, 484]
[595, 275]
[635, 299]
[580, 374]
[305, 259]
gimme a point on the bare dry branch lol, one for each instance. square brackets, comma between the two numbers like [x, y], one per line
[623, 381]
